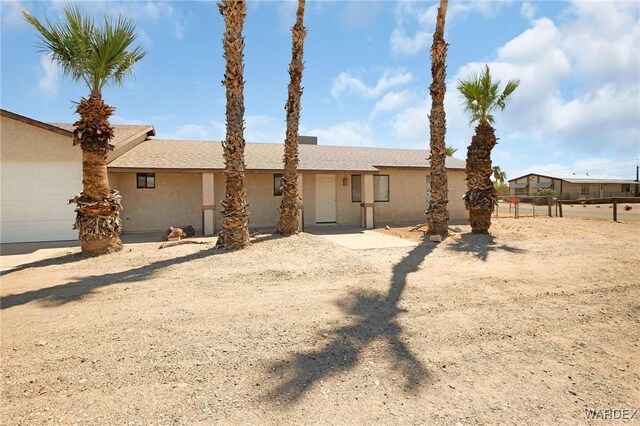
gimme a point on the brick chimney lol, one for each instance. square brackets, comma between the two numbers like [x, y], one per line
[307, 140]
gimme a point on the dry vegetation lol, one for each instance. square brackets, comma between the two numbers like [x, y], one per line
[531, 324]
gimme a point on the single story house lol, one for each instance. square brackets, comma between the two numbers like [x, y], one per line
[40, 170]
[574, 187]
[174, 183]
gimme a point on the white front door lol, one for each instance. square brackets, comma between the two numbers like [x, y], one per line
[325, 198]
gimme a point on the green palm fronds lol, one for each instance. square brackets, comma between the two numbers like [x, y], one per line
[482, 95]
[96, 55]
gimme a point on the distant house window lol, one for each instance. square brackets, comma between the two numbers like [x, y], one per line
[626, 187]
[585, 189]
[381, 188]
[146, 180]
[356, 188]
[277, 184]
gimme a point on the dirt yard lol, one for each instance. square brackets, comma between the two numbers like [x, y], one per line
[531, 325]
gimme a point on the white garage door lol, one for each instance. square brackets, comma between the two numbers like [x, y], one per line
[34, 201]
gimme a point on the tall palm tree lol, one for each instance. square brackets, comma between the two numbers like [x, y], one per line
[235, 227]
[288, 223]
[98, 56]
[499, 175]
[482, 96]
[437, 212]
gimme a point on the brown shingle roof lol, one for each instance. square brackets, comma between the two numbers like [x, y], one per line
[122, 133]
[197, 155]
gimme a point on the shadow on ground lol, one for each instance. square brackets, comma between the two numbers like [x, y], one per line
[52, 261]
[480, 245]
[82, 287]
[376, 319]
[76, 290]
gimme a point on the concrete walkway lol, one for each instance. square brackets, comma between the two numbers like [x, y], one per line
[356, 238]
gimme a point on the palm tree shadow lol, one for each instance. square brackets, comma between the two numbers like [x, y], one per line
[376, 319]
[480, 245]
[52, 261]
[82, 287]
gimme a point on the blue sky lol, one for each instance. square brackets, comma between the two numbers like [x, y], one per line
[367, 74]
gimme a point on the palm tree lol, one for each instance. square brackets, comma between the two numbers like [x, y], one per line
[482, 96]
[98, 56]
[437, 213]
[290, 204]
[499, 175]
[235, 227]
[450, 150]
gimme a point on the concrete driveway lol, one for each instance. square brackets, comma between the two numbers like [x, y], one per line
[356, 238]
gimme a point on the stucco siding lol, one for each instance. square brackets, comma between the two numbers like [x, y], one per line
[309, 198]
[175, 201]
[457, 184]
[408, 196]
[24, 143]
[348, 212]
[263, 205]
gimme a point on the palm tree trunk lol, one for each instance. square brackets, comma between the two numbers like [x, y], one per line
[235, 225]
[288, 223]
[437, 213]
[481, 196]
[98, 206]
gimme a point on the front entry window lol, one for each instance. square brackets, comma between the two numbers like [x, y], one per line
[381, 188]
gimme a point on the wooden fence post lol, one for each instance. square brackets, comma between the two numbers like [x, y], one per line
[615, 209]
[549, 204]
[560, 205]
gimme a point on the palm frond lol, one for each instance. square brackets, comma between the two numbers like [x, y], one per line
[482, 95]
[95, 55]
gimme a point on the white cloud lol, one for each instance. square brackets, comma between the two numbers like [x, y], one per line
[192, 132]
[258, 128]
[594, 168]
[407, 45]
[199, 132]
[601, 113]
[578, 94]
[410, 14]
[360, 13]
[392, 101]
[11, 14]
[412, 124]
[603, 40]
[287, 13]
[263, 128]
[528, 10]
[347, 83]
[348, 133]
[118, 120]
[142, 13]
[610, 112]
[49, 81]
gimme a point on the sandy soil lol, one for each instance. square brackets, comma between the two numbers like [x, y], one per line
[531, 325]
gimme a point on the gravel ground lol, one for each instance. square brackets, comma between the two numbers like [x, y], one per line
[532, 324]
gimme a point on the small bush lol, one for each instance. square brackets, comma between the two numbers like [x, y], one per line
[544, 192]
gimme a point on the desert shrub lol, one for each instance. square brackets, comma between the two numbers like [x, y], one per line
[544, 192]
